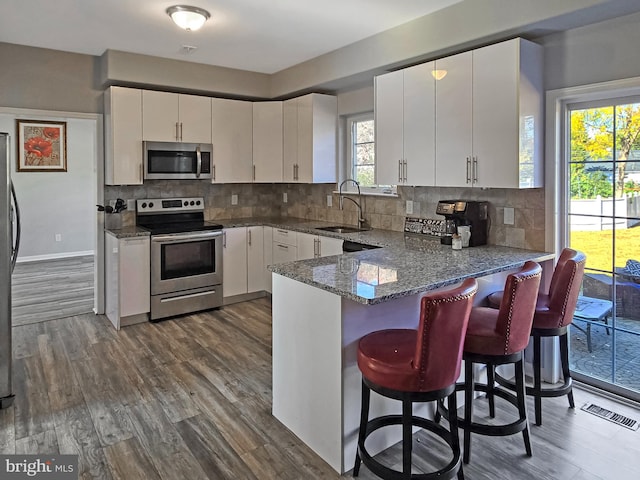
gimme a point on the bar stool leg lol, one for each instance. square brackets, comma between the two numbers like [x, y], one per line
[364, 418]
[468, 408]
[491, 381]
[453, 427]
[537, 380]
[407, 413]
[564, 359]
[522, 403]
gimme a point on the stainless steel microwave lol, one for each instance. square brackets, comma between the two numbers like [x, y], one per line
[171, 160]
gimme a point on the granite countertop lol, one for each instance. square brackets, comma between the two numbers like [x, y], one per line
[407, 263]
[127, 232]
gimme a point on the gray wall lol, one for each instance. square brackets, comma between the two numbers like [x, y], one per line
[57, 202]
[43, 79]
[592, 54]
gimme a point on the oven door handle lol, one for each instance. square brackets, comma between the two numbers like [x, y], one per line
[190, 237]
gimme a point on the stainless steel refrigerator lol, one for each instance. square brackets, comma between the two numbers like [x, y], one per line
[9, 244]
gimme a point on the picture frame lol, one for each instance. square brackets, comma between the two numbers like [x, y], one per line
[42, 146]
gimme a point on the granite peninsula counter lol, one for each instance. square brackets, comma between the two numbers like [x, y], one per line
[323, 306]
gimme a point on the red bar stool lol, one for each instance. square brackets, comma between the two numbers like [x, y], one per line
[416, 366]
[499, 337]
[554, 313]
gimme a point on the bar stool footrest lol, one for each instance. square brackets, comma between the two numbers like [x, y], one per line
[547, 392]
[446, 473]
[484, 429]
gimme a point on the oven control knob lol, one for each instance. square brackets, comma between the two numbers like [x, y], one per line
[197, 202]
[150, 204]
[192, 203]
[186, 204]
[144, 204]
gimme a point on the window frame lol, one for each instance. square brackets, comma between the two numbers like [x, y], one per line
[349, 165]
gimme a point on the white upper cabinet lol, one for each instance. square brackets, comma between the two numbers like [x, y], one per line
[454, 120]
[310, 130]
[405, 126]
[173, 117]
[267, 141]
[232, 139]
[123, 136]
[489, 125]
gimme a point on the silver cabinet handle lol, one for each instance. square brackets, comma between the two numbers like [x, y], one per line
[282, 246]
[284, 232]
[198, 158]
[405, 171]
[293, 167]
[249, 233]
[180, 131]
[399, 170]
[468, 169]
[177, 135]
[224, 239]
[475, 169]
[254, 173]
[214, 171]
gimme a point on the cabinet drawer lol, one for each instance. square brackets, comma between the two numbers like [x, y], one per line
[286, 237]
[284, 253]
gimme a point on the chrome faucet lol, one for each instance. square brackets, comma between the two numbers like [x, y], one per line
[362, 223]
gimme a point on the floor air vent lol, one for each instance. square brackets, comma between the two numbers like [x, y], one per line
[614, 417]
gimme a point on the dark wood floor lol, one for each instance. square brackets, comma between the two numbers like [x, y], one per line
[51, 289]
[191, 398]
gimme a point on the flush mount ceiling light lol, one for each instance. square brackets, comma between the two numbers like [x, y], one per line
[189, 18]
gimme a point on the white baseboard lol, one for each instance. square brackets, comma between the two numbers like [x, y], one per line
[54, 256]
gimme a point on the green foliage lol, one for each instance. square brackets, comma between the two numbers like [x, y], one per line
[597, 134]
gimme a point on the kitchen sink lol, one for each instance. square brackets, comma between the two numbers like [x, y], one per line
[343, 229]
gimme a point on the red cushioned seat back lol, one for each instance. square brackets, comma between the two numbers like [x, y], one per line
[444, 317]
[565, 285]
[518, 306]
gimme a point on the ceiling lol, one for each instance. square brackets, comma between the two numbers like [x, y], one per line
[258, 35]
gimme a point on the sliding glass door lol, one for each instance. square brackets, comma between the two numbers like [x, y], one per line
[603, 221]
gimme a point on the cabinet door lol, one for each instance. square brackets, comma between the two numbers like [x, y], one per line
[419, 125]
[290, 140]
[195, 119]
[160, 116]
[330, 246]
[267, 141]
[255, 260]
[496, 71]
[268, 256]
[234, 261]
[123, 142]
[389, 100]
[307, 246]
[454, 121]
[134, 276]
[232, 138]
[317, 131]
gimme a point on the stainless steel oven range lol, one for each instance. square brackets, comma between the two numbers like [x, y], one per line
[186, 256]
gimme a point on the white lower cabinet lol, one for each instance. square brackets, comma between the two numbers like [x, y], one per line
[283, 253]
[315, 246]
[255, 260]
[127, 279]
[243, 263]
[234, 261]
[268, 256]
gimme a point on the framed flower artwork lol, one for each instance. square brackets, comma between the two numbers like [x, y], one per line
[42, 146]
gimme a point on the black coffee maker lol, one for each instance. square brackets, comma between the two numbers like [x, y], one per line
[464, 212]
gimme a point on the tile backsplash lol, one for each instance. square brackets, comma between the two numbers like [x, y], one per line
[310, 202]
